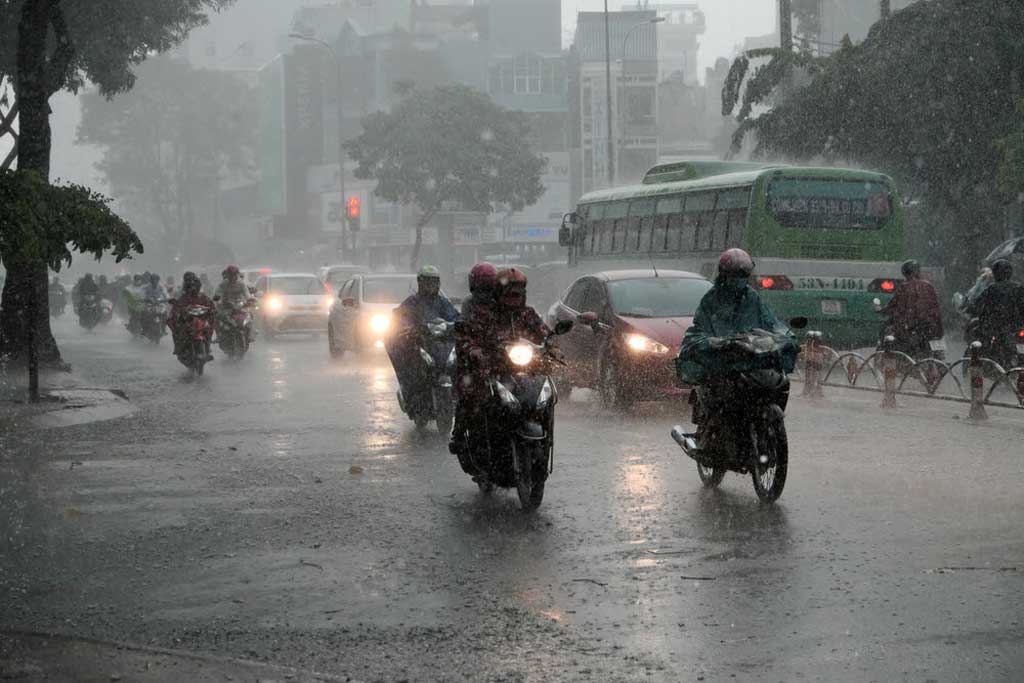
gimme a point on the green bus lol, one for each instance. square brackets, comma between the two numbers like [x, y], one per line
[827, 241]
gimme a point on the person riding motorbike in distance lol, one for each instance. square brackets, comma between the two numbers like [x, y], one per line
[730, 307]
[427, 304]
[232, 293]
[1000, 308]
[85, 287]
[153, 291]
[914, 312]
[191, 295]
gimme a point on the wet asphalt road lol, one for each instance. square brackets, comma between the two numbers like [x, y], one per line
[282, 509]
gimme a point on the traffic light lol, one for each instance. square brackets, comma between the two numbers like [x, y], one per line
[353, 213]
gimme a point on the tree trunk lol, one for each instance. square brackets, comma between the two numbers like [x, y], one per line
[414, 259]
[27, 280]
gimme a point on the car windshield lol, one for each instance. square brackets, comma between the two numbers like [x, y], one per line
[340, 276]
[657, 297]
[387, 290]
[297, 286]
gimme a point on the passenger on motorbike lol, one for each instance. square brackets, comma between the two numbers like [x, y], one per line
[729, 308]
[478, 341]
[85, 287]
[427, 304]
[153, 291]
[913, 313]
[477, 307]
[482, 280]
[134, 301]
[1000, 308]
[191, 295]
[232, 290]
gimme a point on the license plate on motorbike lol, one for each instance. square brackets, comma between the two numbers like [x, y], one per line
[831, 307]
[937, 344]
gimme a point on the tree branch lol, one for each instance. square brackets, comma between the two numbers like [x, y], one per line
[11, 156]
[60, 62]
[7, 120]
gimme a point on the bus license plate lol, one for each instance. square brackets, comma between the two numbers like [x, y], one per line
[831, 307]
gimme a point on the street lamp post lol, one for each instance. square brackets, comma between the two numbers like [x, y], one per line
[625, 40]
[341, 146]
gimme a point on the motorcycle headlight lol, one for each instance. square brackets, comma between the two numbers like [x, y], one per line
[547, 392]
[380, 323]
[427, 358]
[504, 394]
[642, 344]
[520, 354]
[275, 304]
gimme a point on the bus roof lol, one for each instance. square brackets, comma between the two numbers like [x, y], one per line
[732, 177]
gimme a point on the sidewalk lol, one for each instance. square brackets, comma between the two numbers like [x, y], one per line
[36, 657]
[66, 399]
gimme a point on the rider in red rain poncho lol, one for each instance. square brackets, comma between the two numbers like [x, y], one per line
[191, 295]
[487, 322]
[914, 312]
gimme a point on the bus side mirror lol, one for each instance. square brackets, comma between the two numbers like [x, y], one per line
[565, 233]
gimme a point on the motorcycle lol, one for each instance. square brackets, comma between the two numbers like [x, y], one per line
[1007, 349]
[58, 301]
[195, 348]
[234, 328]
[153, 317]
[90, 311]
[436, 346]
[512, 442]
[743, 426]
[106, 312]
[932, 349]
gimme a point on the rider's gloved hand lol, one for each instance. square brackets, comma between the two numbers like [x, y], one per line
[718, 343]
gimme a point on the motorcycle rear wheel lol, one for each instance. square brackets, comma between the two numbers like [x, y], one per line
[770, 478]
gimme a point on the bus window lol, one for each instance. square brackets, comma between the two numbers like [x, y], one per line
[720, 229]
[659, 240]
[615, 227]
[699, 212]
[646, 236]
[666, 207]
[638, 236]
[737, 221]
[680, 233]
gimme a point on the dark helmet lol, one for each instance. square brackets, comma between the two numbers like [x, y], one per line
[137, 279]
[154, 279]
[231, 272]
[103, 279]
[1002, 270]
[88, 277]
[735, 262]
[483, 277]
[910, 268]
[190, 283]
[511, 287]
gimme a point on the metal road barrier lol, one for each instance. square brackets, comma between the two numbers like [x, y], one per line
[972, 379]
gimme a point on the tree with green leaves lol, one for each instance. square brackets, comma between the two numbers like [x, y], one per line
[47, 46]
[449, 148]
[927, 98]
[171, 142]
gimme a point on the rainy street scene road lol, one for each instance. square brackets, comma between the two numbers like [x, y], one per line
[511, 340]
[282, 509]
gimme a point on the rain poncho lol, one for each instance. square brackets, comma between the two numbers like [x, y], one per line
[723, 312]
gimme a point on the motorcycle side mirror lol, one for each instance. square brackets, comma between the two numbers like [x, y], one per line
[564, 326]
[349, 302]
[798, 323]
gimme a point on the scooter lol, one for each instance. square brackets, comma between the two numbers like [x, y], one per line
[234, 328]
[511, 443]
[153, 317]
[742, 415]
[436, 354]
[90, 311]
[195, 351]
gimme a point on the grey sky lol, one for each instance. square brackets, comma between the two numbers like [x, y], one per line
[728, 21]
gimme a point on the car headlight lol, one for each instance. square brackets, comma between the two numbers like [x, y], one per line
[275, 304]
[546, 393]
[520, 354]
[380, 323]
[328, 302]
[642, 344]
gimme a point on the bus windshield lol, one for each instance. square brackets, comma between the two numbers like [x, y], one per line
[829, 203]
[657, 297]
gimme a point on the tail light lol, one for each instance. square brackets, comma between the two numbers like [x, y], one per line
[1020, 334]
[774, 282]
[883, 285]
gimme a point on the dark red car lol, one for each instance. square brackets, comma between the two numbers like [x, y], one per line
[630, 325]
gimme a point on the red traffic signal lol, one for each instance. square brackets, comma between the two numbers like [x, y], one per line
[353, 207]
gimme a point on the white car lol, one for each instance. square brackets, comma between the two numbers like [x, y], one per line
[291, 302]
[335, 276]
[360, 319]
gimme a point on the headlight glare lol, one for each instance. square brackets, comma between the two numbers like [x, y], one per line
[642, 344]
[380, 323]
[520, 354]
[275, 304]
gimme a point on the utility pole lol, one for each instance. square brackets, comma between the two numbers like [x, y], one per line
[886, 8]
[608, 87]
[785, 25]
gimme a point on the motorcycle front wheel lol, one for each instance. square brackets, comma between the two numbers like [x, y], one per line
[532, 473]
[711, 477]
[771, 462]
[445, 416]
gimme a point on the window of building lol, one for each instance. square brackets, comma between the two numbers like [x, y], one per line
[528, 74]
[384, 213]
[501, 78]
